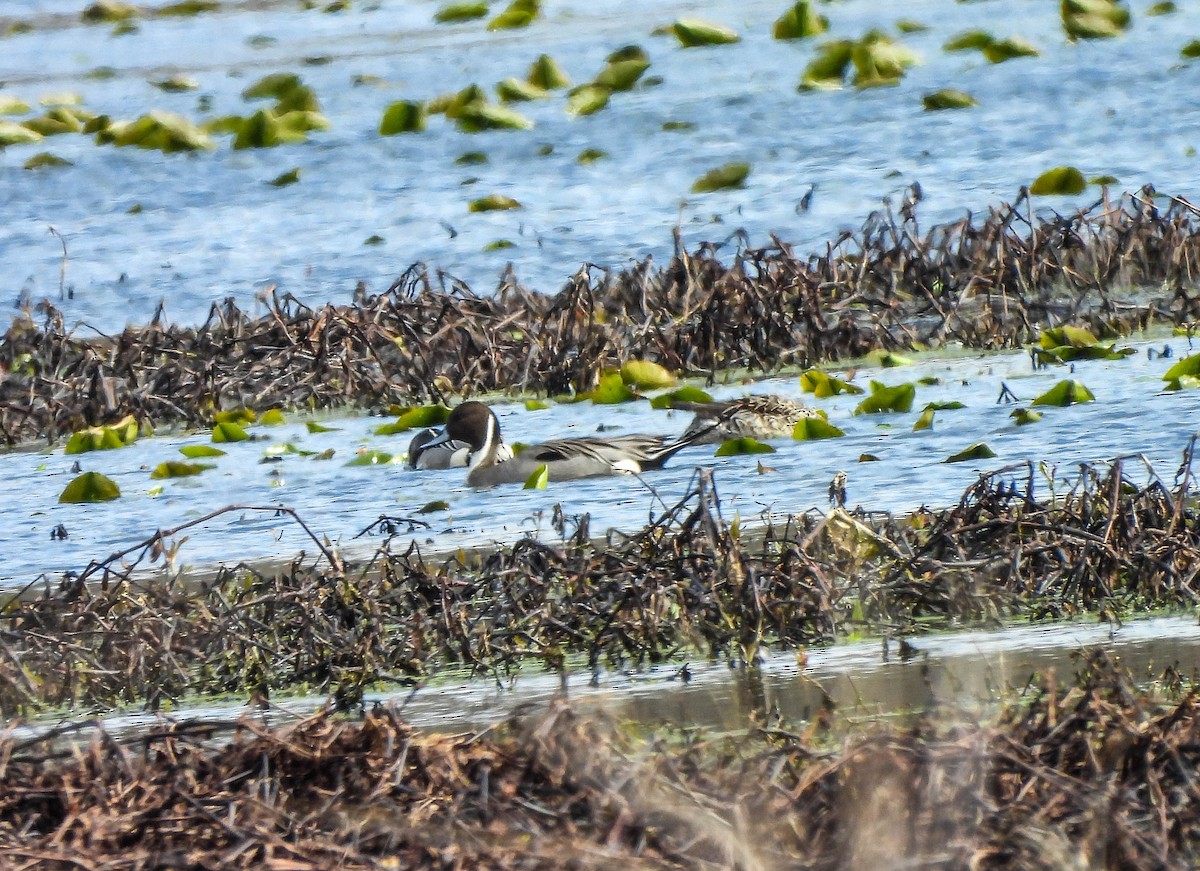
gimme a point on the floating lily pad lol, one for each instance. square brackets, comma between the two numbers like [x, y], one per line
[977, 451]
[493, 203]
[272, 417]
[587, 99]
[236, 415]
[164, 131]
[417, 417]
[814, 428]
[823, 385]
[457, 12]
[1025, 416]
[909, 25]
[746, 445]
[1167, 7]
[103, 438]
[313, 427]
[731, 175]
[1191, 51]
[1093, 19]
[228, 432]
[10, 105]
[693, 32]
[925, 421]
[274, 86]
[471, 158]
[646, 375]
[372, 458]
[479, 116]
[187, 7]
[868, 458]
[172, 469]
[878, 60]
[1060, 181]
[514, 90]
[14, 134]
[945, 406]
[1068, 392]
[292, 176]
[90, 487]
[885, 399]
[621, 75]
[948, 98]
[108, 11]
[46, 160]
[971, 40]
[799, 22]
[611, 390]
[672, 126]
[683, 394]
[536, 405]
[1185, 373]
[193, 452]
[590, 155]
[827, 70]
[545, 73]
[403, 116]
[499, 245]
[431, 507]
[176, 84]
[890, 360]
[1001, 50]
[519, 13]
[1067, 343]
[538, 478]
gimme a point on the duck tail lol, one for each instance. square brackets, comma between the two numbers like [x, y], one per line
[691, 436]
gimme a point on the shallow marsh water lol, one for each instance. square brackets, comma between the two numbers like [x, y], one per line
[1131, 416]
[211, 227]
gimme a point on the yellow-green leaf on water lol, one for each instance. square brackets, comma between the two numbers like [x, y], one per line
[587, 99]
[272, 417]
[10, 105]
[1102, 180]
[672, 126]
[374, 239]
[1191, 51]
[1188, 367]
[456, 12]
[1093, 19]
[1023, 416]
[746, 445]
[14, 134]
[868, 458]
[315, 427]
[731, 175]
[611, 390]
[104, 438]
[273, 86]
[371, 458]
[800, 21]
[1068, 392]
[263, 130]
[536, 405]
[945, 406]
[49, 126]
[889, 360]
[590, 155]
[403, 116]
[1167, 7]
[683, 394]
[948, 98]
[1075, 337]
[514, 90]
[814, 428]
[1001, 50]
[885, 399]
[878, 60]
[908, 25]
[646, 375]
[108, 11]
[621, 75]
[228, 432]
[827, 70]
[519, 13]
[44, 159]
[479, 116]
[823, 385]
[176, 84]
[925, 421]
[171, 469]
[193, 452]
[493, 203]
[187, 7]
[977, 451]
[90, 487]
[545, 73]
[693, 32]
[499, 245]
[235, 415]
[284, 179]
[286, 448]
[538, 478]
[431, 507]
[1060, 181]
[471, 158]
[971, 40]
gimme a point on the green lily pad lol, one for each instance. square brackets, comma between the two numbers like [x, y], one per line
[545, 73]
[514, 90]
[868, 458]
[621, 75]
[272, 417]
[264, 129]
[878, 60]
[313, 427]
[683, 394]
[287, 448]
[499, 245]
[519, 13]
[108, 11]
[493, 203]
[925, 421]
[1191, 51]
[645, 375]
[186, 8]
[1184, 374]
[15, 134]
[885, 399]
[292, 176]
[418, 417]
[456, 12]
[193, 452]
[799, 22]
[945, 406]
[172, 469]
[1093, 19]
[587, 99]
[372, 458]
[536, 405]
[971, 40]
[273, 86]
[977, 451]
[1001, 50]
[1025, 416]
[1167, 7]
[1068, 392]
[403, 116]
[731, 175]
[471, 158]
[236, 415]
[90, 487]
[1060, 181]
[228, 432]
[948, 98]
[479, 116]
[10, 105]
[538, 479]
[823, 385]
[431, 507]
[46, 160]
[746, 445]
[590, 155]
[693, 32]
[611, 390]
[889, 360]
[814, 428]
[176, 84]
[909, 25]
[827, 71]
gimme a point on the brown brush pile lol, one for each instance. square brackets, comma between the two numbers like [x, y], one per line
[1099, 776]
[993, 282]
[688, 585]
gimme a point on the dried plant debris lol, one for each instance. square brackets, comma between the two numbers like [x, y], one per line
[1095, 773]
[991, 282]
[689, 584]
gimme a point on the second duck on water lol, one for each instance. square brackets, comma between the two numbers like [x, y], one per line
[474, 424]
[755, 416]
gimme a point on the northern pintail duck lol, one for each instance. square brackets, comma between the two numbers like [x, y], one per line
[565, 459]
[422, 454]
[754, 416]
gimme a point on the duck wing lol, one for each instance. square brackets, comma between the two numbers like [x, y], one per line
[606, 450]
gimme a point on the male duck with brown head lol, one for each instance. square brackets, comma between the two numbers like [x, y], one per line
[565, 459]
